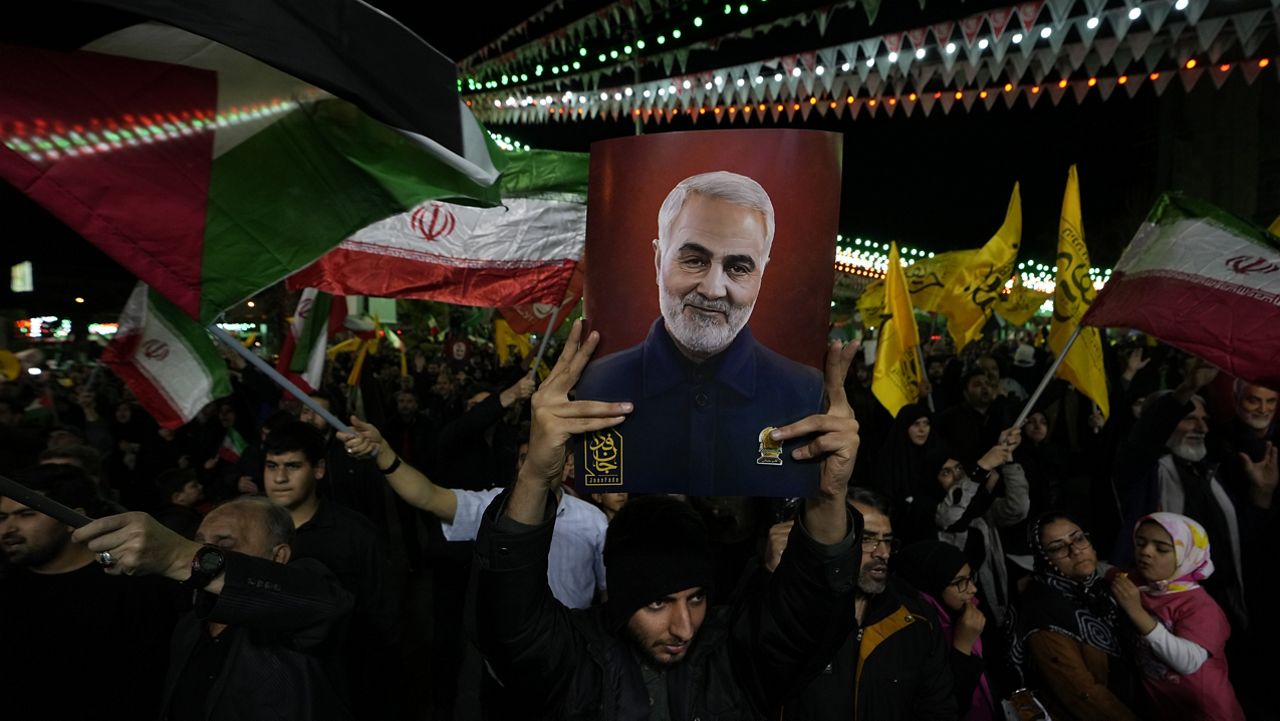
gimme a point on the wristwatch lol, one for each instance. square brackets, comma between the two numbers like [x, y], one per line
[205, 566]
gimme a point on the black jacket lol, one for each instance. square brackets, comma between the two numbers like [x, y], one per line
[564, 664]
[290, 619]
[905, 675]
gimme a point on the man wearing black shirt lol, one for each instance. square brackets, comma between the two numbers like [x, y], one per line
[57, 604]
[258, 642]
[346, 543]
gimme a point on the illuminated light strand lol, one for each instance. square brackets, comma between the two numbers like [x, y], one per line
[47, 144]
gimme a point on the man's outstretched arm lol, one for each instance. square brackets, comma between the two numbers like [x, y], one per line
[408, 482]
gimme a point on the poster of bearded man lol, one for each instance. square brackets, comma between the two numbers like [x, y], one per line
[710, 284]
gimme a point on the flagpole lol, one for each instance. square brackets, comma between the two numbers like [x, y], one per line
[1048, 376]
[229, 341]
[546, 338]
[920, 360]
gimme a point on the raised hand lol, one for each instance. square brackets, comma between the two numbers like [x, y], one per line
[777, 543]
[1263, 476]
[555, 420]
[1129, 598]
[969, 628]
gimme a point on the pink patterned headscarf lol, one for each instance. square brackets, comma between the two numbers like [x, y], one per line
[1190, 550]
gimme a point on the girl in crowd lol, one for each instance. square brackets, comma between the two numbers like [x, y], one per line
[1065, 637]
[1182, 632]
[944, 578]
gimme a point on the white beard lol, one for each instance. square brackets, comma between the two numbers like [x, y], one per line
[1194, 452]
[701, 334]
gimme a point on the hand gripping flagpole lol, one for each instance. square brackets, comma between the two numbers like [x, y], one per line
[1048, 376]
[235, 345]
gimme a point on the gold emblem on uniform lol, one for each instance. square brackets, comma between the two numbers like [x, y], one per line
[770, 449]
[603, 456]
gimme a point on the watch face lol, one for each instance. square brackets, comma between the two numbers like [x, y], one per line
[211, 561]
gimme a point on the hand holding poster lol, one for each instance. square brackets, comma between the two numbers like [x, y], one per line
[716, 358]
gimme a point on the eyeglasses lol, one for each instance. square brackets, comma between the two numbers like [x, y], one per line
[1078, 541]
[871, 543]
[961, 582]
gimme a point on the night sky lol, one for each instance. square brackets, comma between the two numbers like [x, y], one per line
[938, 183]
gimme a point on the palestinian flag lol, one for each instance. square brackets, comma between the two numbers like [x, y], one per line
[1203, 280]
[211, 175]
[166, 359]
[232, 447]
[520, 253]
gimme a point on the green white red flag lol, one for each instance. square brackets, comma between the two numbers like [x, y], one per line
[1203, 280]
[167, 360]
[522, 252]
[318, 317]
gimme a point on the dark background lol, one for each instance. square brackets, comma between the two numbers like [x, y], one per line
[936, 183]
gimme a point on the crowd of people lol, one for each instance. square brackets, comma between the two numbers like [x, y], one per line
[437, 561]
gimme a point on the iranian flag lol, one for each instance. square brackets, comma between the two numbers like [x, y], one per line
[318, 317]
[210, 174]
[522, 252]
[1203, 280]
[233, 445]
[166, 359]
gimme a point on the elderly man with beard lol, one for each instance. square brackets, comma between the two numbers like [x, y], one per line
[887, 661]
[704, 390]
[1166, 466]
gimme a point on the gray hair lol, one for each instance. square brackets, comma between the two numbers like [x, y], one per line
[719, 185]
[279, 523]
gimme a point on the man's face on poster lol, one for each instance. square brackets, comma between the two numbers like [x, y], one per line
[709, 270]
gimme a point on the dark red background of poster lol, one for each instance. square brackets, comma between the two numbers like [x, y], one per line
[630, 177]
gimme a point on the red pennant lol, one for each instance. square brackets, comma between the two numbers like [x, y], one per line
[998, 20]
[971, 26]
[893, 41]
[917, 37]
[942, 32]
[1028, 12]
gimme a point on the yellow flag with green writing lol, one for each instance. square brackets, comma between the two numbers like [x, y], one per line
[1073, 294]
[969, 300]
[1021, 303]
[896, 378]
[506, 340]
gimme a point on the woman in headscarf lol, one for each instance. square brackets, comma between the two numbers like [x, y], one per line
[1182, 632]
[1065, 630]
[945, 580]
[1045, 465]
[902, 457]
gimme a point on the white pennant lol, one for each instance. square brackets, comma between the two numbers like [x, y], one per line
[926, 103]
[1019, 63]
[1120, 22]
[1122, 59]
[1076, 54]
[946, 101]
[969, 97]
[1058, 37]
[1207, 31]
[1080, 89]
[1156, 13]
[1001, 46]
[1094, 6]
[1055, 93]
[1189, 77]
[1161, 82]
[883, 65]
[923, 74]
[1086, 34]
[1246, 27]
[1032, 97]
[1059, 9]
[904, 60]
[992, 97]
[1133, 84]
[1139, 44]
[1046, 59]
[1195, 8]
[1218, 75]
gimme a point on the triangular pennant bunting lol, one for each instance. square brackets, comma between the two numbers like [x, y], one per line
[1028, 12]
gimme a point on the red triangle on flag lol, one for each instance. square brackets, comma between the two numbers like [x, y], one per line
[998, 19]
[892, 41]
[971, 26]
[1028, 12]
[942, 32]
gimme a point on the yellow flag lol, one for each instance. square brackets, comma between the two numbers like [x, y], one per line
[927, 278]
[896, 378]
[1072, 296]
[1275, 227]
[504, 338]
[968, 303]
[1021, 303]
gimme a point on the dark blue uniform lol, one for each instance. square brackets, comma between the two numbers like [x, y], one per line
[696, 427]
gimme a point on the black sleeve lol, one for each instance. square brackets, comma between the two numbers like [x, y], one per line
[471, 423]
[302, 600]
[966, 670]
[525, 634]
[783, 626]
[1146, 442]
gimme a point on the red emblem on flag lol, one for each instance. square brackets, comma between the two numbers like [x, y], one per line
[156, 350]
[1248, 264]
[433, 221]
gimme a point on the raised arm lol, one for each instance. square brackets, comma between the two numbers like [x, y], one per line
[408, 482]
[826, 515]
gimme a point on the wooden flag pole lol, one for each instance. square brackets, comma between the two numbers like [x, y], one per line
[1044, 382]
[228, 340]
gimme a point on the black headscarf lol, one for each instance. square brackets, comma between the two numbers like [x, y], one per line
[1083, 610]
[930, 566]
[900, 461]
